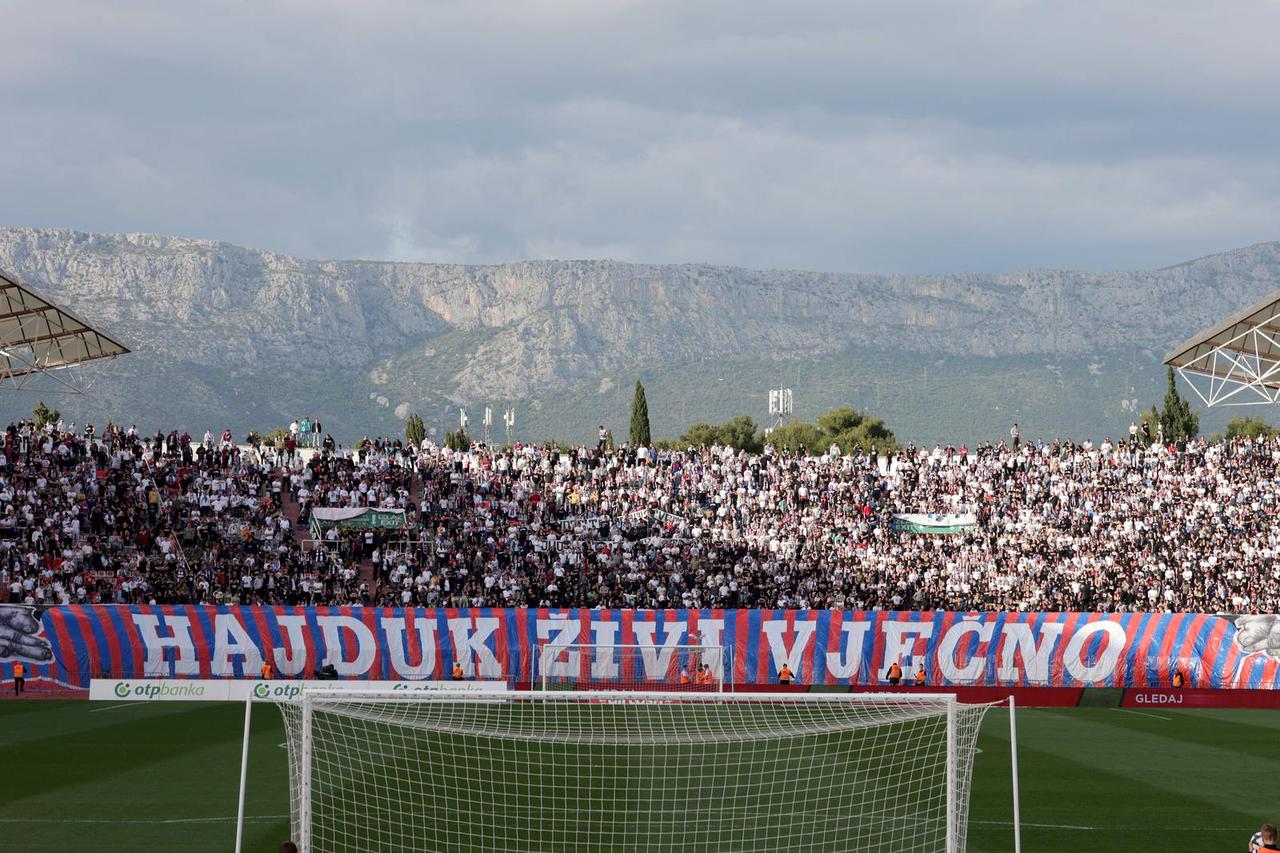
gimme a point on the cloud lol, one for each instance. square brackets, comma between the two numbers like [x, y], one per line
[874, 137]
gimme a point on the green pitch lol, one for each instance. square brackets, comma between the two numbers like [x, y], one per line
[163, 776]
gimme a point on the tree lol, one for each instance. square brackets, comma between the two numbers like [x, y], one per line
[639, 433]
[799, 435]
[44, 415]
[1177, 418]
[847, 428]
[1152, 420]
[700, 434]
[739, 433]
[414, 430]
[458, 441]
[1251, 427]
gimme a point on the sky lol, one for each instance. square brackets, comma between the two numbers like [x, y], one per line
[907, 137]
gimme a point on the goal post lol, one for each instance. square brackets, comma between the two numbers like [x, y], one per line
[593, 666]
[611, 770]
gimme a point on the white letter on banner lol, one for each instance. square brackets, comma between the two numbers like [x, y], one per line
[709, 633]
[466, 644]
[657, 662]
[294, 626]
[230, 638]
[1019, 637]
[898, 646]
[971, 671]
[366, 649]
[393, 629]
[604, 636]
[560, 633]
[1106, 665]
[793, 657]
[154, 663]
[857, 634]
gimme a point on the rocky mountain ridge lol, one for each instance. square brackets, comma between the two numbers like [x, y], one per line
[412, 336]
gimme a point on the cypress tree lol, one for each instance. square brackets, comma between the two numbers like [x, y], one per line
[1177, 418]
[414, 430]
[639, 418]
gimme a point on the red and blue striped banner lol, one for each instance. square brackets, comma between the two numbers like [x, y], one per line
[68, 646]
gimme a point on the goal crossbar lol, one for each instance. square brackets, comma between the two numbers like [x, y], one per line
[601, 696]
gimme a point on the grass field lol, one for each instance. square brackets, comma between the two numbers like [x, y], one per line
[163, 776]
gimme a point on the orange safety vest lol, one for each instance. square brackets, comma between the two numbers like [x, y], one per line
[19, 670]
[1178, 680]
[684, 676]
[920, 677]
[457, 670]
[266, 669]
[895, 671]
[784, 674]
[705, 676]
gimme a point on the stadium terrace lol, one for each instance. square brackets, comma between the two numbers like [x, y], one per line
[116, 517]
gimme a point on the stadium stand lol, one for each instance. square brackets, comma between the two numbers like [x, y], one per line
[119, 517]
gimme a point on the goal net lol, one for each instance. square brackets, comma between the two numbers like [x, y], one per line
[591, 771]
[630, 667]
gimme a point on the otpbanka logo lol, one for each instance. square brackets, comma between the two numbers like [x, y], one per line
[159, 689]
[267, 690]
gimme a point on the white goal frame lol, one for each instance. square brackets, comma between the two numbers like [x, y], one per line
[546, 653]
[310, 699]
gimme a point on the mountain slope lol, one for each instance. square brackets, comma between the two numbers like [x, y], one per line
[230, 336]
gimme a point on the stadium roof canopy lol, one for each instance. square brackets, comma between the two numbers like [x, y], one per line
[40, 339]
[1237, 362]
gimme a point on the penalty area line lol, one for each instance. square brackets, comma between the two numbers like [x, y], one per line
[113, 707]
[1142, 714]
[149, 821]
[1069, 826]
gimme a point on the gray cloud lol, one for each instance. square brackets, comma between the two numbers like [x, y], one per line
[872, 137]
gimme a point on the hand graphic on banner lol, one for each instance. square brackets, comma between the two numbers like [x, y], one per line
[20, 636]
[1258, 633]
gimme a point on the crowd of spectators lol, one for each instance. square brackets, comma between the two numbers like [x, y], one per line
[120, 517]
[1119, 526]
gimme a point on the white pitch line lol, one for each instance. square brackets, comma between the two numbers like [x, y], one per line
[1232, 829]
[1142, 714]
[113, 707]
[1038, 825]
[111, 820]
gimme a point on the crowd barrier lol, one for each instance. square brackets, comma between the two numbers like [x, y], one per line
[63, 648]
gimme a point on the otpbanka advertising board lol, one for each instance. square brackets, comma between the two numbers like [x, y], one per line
[270, 690]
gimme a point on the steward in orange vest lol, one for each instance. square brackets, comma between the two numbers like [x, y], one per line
[785, 675]
[19, 677]
[895, 673]
[920, 676]
[266, 670]
[457, 671]
[1178, 679]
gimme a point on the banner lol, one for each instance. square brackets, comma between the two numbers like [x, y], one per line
[934, 523]
[356, 517]
[68, 646]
